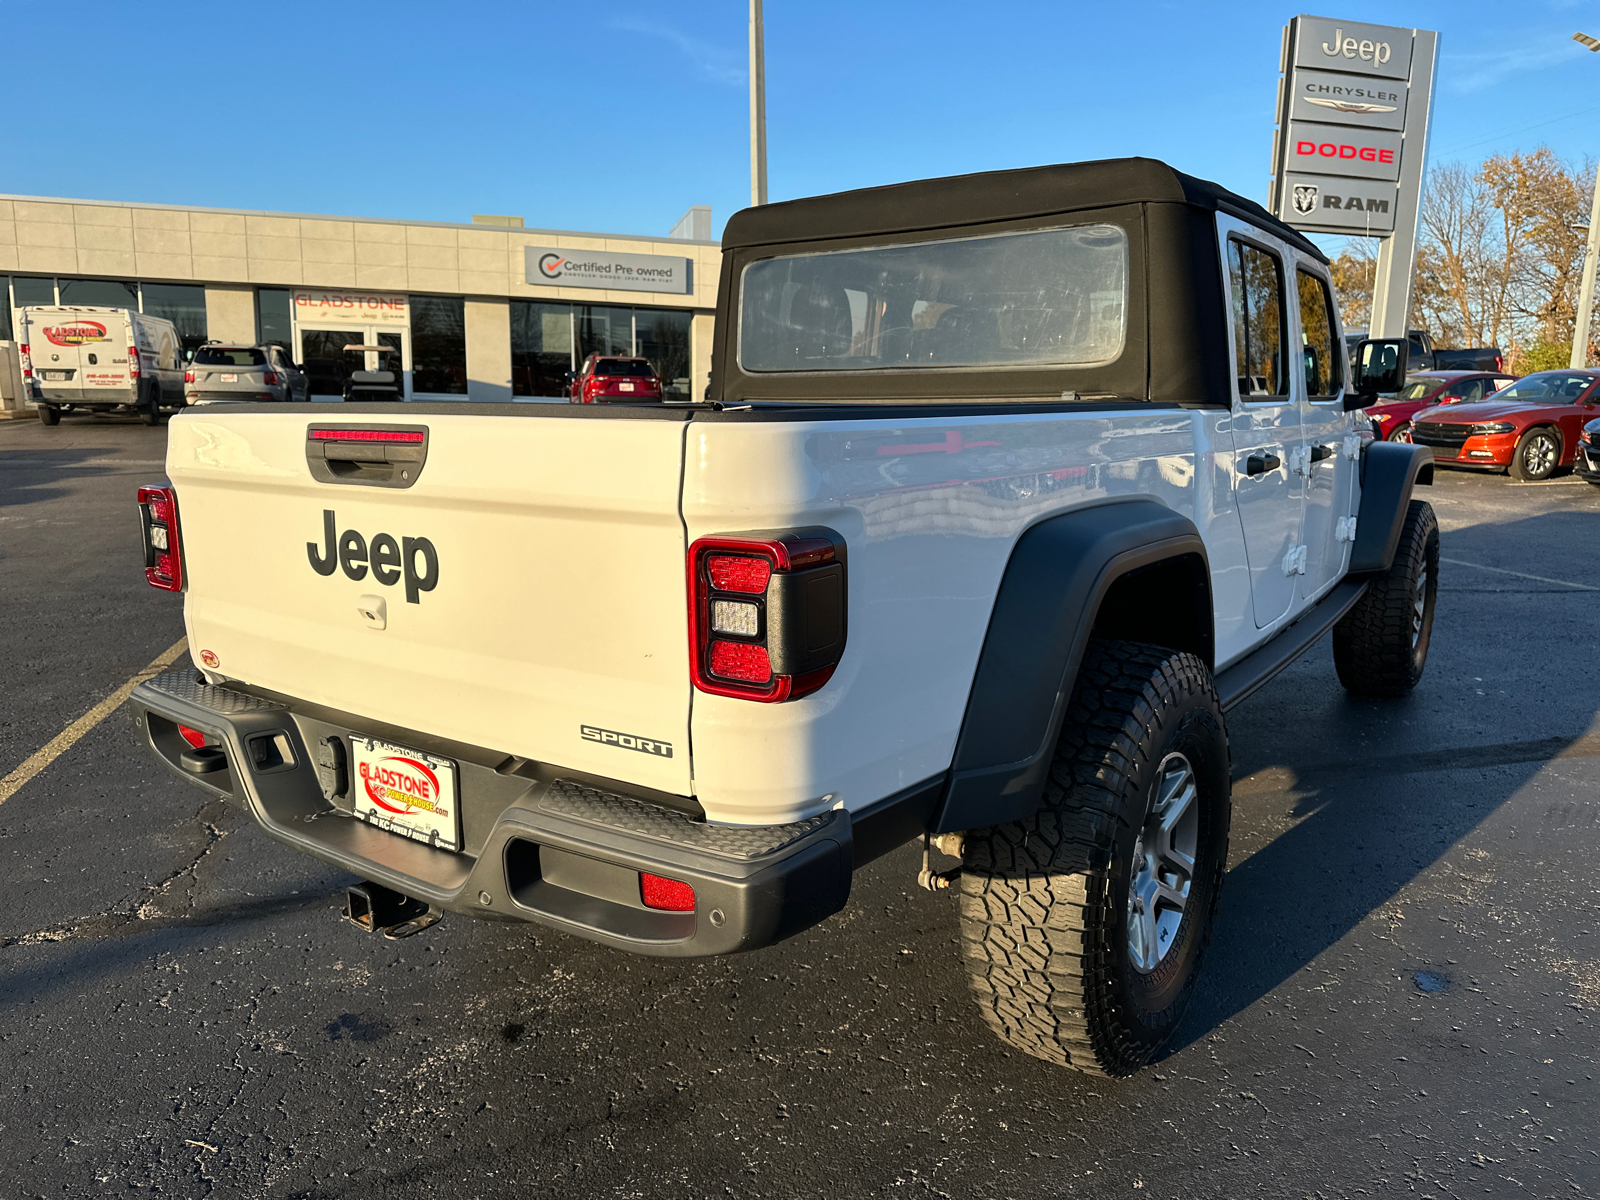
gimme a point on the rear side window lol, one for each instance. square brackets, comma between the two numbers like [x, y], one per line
[1324, 367]
[632, 368]
[1256, 283]
[1052, 297]
[229, 356]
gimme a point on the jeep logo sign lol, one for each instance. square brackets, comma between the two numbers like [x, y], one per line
[385, 556]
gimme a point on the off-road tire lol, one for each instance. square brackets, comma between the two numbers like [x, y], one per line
[49, 414]
[1381, 645]
[1045, 901]
[150, 404]
[1528, 445]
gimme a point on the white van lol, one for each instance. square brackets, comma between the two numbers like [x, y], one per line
[90, 359]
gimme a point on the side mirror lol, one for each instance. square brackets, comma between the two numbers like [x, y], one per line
[1377, 366]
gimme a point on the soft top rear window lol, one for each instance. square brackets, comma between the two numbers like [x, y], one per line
[1037, 298]
[229, 356]
[632, 367]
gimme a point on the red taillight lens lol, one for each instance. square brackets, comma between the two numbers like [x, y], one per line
[766, 614]
[133, 362]
[163, 557]
[367, 435]
[193, 736]
[270, 378]
[742, 661]
[670, 894]
[738, 573]
[188, 376]
[27, 361]
[591, 387]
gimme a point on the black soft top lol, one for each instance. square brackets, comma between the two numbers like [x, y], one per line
[994, 196]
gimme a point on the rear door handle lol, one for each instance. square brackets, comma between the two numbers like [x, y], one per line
[1260, 464]
[1318, 453]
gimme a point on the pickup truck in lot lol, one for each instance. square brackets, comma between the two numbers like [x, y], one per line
[1009, 486]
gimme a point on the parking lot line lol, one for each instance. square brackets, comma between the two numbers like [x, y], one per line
[1459, 562]
[63, 741]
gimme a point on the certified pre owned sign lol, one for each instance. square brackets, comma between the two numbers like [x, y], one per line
[607, 270]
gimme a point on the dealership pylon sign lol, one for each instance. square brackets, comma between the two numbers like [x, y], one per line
[1354, 102]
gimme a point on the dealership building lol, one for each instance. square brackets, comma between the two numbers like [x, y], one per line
[486, 310]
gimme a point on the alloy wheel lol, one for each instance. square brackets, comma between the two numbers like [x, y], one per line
[1163, 864]
[1539, 455]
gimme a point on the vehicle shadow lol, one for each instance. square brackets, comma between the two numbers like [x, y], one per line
[33, 474]
[1366, 816]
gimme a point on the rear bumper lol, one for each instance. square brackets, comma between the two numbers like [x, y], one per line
[538, 847]
[86, 397]
[241, 396]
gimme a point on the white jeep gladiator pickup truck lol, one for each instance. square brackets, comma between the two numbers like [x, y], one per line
[1007, 488]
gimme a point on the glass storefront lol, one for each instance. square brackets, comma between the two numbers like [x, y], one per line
[184, 304]
[548, 339]
[438, 345]
[111, 293]
[275, 318]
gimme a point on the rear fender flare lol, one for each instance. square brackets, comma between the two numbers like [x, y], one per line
[1047, 606]
[1389, 471]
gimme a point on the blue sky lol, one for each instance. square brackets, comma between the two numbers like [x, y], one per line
[618, 116]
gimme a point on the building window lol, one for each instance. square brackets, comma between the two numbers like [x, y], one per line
[275, 318]
[184, 304]
[604, 330]
[26, 290]
[541, 349]
[106, 293]
[5, 309]
[438, 345]
[662, 336]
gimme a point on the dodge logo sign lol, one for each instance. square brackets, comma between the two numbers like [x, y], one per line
[1305, 199]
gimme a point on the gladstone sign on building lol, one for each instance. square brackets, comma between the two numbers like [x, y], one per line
[1350, 116]
[607, 270]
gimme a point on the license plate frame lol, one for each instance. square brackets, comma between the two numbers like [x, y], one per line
[405, 791]
[56, 376]
[625, 387]
[231, 378]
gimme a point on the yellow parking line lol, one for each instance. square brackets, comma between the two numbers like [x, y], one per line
[1458, 562]
[63, 741]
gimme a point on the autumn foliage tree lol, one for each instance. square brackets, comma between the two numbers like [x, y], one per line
[1499, 257]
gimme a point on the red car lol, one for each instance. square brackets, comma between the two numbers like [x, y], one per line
[1531, 428]
[1391, 421]
[606, 378]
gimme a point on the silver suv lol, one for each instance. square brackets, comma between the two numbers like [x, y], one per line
[220, 372]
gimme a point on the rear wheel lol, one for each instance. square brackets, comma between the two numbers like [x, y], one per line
[1084, 925]
[1537, 455]
[150, 404]
[1381, 645]
[49, 414]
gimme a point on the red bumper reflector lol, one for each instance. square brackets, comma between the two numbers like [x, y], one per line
[193, 736]
[366, 435]
[742, 661]
[669, 894]
[738, 573]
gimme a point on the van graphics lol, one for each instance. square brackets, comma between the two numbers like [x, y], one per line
[389, 559]
[628, 741]
[76, 333]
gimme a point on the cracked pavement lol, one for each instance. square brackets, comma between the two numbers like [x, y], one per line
[1402, 995]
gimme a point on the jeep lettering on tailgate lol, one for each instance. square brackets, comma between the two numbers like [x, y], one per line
[387, 557]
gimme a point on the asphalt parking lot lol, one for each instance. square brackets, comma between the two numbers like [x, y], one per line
[1403, 995]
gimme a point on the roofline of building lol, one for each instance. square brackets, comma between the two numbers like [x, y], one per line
[260, 212]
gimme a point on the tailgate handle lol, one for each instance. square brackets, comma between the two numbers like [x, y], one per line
[369, 455]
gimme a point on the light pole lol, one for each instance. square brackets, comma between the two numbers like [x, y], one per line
[1580, 331]
[758, 107]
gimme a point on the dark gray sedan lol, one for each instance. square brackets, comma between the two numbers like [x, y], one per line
[220, 373]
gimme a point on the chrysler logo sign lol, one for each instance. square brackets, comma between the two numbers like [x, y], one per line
[1350, 106]
[604, 269]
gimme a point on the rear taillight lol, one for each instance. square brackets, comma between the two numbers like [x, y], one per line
[672, 895]
[270, 378]
[591, 388]
[188, 376]
[163, 556]
[27, 361]
[133, 362]
[1499, 362]
[766, 613]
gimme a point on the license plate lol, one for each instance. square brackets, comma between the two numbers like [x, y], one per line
[58, 374]
[625, 387]
[230, 379]
[406, 792]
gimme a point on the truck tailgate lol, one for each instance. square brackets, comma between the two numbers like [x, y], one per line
[556, 613]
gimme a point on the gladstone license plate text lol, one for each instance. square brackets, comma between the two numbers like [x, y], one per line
[406, 792]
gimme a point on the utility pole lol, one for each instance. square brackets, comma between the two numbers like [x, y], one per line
[1580, 331]
[758, 107]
